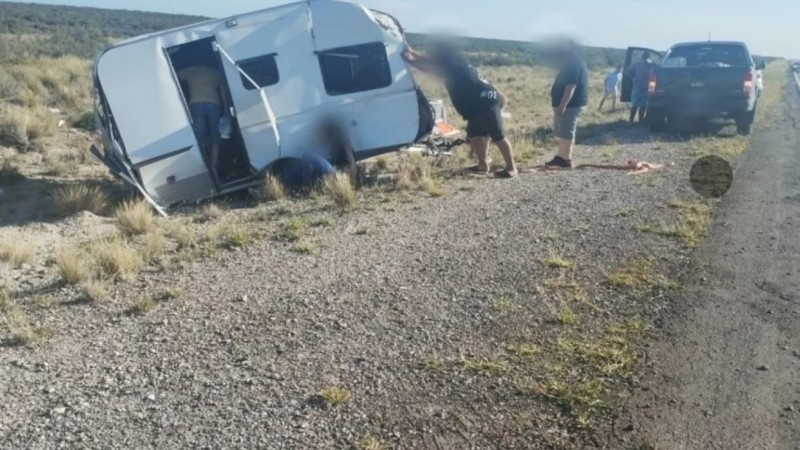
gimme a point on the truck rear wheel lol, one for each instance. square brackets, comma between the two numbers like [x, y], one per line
[657, 120]
[744, 123]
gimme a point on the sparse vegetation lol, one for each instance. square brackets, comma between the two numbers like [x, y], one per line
[142, 307]
[272, 189]
[115, 258]
[293, 230]
[134, 217]
[693, 224]
[231, 236]
[96, 290]
[80, 197]
[335, 396]
[71, 265]
[640, 274]
[339, 188]
[371, 444]
[558, 262]
[153, 246]
[304, 248]
[211, 212]
[16, 253]
[567, 317]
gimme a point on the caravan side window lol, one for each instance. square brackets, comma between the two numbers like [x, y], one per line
[353, 69]
[263, 70]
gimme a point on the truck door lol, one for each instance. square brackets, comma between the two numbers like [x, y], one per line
[633, 55]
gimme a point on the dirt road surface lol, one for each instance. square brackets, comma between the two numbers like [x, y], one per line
[727, 374]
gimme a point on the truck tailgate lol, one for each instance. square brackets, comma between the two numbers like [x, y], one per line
[715, 82]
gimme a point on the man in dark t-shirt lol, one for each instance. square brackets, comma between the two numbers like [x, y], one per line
[569, 97]
[477, 100]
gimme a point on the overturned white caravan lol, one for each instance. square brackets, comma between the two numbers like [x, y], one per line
[285, 71]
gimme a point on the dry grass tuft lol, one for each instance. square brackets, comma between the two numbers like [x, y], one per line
[71, 265]
[16, 253]
[80, 197]
[19, 326]
[20, 126]
[115, 258]
[640, 275]
[230, 236]
[153, 246]
[558, 262]
[335, 396]
[141, 307]
[304, 248]
[371, 444]
[339, 188]
[134, 217]
[96, 291]
[272, 189]
[567, 317]
[293, 230]
[211, 212]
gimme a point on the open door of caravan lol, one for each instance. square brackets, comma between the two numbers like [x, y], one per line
[152, 136]
[633, 55]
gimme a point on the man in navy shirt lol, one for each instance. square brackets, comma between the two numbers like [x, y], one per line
[475, 99]
[569, 97]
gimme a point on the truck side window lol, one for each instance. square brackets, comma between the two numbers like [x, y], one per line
[353, 69]
[263, 70]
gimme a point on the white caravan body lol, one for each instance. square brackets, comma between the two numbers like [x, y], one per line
[286, 70]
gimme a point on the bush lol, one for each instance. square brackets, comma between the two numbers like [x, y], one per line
[339, 188]
[76, 198]
[134, 217]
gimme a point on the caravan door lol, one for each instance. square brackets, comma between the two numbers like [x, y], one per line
[153, 123]
[248, 79]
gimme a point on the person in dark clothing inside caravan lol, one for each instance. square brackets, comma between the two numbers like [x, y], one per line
[474, 98]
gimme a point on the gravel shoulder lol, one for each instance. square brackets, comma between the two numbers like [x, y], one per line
[724, 375]
[485, 318]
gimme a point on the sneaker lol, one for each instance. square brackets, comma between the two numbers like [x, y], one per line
[560, 163]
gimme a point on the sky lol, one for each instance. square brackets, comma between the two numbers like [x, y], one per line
[769, 27]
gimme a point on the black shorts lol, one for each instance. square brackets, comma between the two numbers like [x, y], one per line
[488, 123]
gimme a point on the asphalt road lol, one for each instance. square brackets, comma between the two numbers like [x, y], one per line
[727, 373]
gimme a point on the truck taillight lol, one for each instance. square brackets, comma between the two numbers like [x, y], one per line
[652, 83]
[747, 86]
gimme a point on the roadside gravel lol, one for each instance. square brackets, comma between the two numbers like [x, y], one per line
[394, 302]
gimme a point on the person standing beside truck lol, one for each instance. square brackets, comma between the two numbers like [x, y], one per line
[640, 72]
[569, 97]
[612, 85]
[477, 100]
[206, 106]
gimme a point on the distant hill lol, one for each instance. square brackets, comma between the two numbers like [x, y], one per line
[33, 30]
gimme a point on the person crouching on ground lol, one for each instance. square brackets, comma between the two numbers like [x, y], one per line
[475, 99]
[569, 97]
[612, 83]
